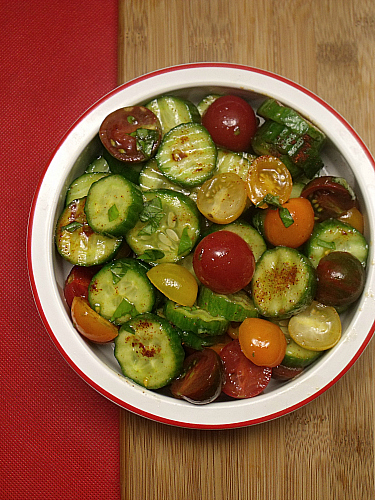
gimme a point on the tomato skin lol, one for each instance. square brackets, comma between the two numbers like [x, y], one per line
[231, 122]
[283, 373]
[116, 134]
[297, 233]
[78, 281]
[341, 279]
[224, 262]
[328, 198]
[175, 282]
[202, 377]
[90, 324]
[353, 217]
[242, 378]
[262, 341]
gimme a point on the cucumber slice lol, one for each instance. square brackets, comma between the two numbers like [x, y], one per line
[151, 178]
[77, 243]
[199, 342]
[129, 170]
[284, 283]
[333, 234]
[247, 232]
[194, 319]
[173, 111]
[297, 356]
[233, 307]
[121, 290]
[227, 161]
[100, 164]
[113, 205]
[168, 228]
[187, 155]
[206, 102]
[149, 351]
[80, 186]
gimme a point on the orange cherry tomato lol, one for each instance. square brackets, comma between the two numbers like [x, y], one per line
[90, 324]
[268, 176]
[262, 342]
[223, 198]
[353, 217]
[298, 232]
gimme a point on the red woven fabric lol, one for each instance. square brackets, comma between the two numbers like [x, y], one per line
[58, 437]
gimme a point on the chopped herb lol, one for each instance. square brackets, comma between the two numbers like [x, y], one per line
[113, 213]
[326, 244]
[152, 213]
[124, 308]
[72, 226]
[284, 213]
[152, 255]
[286, 217]
[145, 139]
[237, 131]
[118, 270]
[185, 242]
[131, 119]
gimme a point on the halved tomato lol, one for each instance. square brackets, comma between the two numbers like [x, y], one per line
[90, 324]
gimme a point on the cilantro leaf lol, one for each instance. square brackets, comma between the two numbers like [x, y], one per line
[152, 213]
[123, 309]
[185, 242]
[152, 255]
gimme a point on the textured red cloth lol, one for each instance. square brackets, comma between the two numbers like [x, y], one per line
[58, 437]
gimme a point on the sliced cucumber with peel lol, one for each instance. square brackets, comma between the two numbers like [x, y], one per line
[149, 351]
[233, 307]
[173, 111]
[79, 188]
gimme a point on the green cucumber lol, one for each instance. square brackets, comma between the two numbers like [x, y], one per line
[167, 229]
[187, 155]
[199, 342]
[227, 161]
[333, 234]
[284, 283]
[128, 170]
[194, 319]
[233, 307]
[113, 205]
[122, 290]
[77, 243]
[173, 111]
[100, 164]
[206, 102]
[149, 351]
[151, 178]
[297, 356]
[247, 232]
[81, 185]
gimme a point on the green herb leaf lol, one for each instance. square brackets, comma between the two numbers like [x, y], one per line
[123, 309]
[113, 213]
[185, 242]
[145, 140]
[131, 119]
[152, 213]
[152, 255]
[326, 244]
[274, 201]
[118, 270]
[286, 217]
[72, 226]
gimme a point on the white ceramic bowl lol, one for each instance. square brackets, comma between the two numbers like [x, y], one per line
[344, 155]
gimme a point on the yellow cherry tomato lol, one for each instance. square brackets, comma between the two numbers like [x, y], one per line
[262, 342]
[223, 198]
[353, 217]
[317, 328]
[90, 324]
[268, 176]
[175, 282]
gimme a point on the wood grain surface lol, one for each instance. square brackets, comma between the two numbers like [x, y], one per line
[325, 450]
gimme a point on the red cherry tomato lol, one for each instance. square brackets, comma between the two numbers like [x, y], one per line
[242, 379]
[224, 262]
[131, 134]
[329, 198]
[231, 122]
[77, 282]
[201, 379]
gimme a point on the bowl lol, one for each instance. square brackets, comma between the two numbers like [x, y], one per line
[344, 155]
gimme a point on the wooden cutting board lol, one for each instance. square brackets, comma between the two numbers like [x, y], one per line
[326, 449]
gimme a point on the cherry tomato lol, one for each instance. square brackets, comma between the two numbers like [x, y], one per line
[175, 282]
[341, 279]
[233, 329]
[202, 377]
[353, 217]
[268, 176]
[282, 372]
[329, 198]
[131, 134]
[298, 232]
[317, 328]
[78, 281]
[231, 122]
[224, 262]
[242, 378]
[90, 324]
[223, 198]
[262, 342]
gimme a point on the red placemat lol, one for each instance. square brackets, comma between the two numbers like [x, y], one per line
[58, 437]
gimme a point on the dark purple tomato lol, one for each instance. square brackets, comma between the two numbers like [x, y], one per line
[341, 279]
[282, 372]
[201, 379]
[329, 198]
[242, 378]
[131, 134]
[224, 262]
[231, 122]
